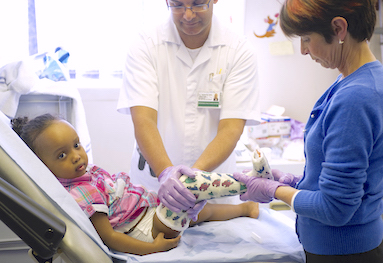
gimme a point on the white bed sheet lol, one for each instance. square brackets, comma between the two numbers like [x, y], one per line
[232, 241]
[228, 241]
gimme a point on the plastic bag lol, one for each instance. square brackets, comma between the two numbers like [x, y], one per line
[55, 66]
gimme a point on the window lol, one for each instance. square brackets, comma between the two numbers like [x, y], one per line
[14, 30]
[96, 33]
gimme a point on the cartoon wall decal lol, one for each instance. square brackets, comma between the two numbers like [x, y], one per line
[270, 31]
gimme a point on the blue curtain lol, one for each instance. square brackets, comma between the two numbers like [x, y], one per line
[32, 28]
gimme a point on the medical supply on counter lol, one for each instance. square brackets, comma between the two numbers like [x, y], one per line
[281, 134]
[271, 126]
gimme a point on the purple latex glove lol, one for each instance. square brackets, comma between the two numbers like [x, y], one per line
[260, 190]
[172, 193]
[193, 212]
[286, 178]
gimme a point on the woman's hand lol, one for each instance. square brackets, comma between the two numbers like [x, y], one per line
[260, 190]
[286, 178]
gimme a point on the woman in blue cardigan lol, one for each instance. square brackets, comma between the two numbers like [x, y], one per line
[338, 201]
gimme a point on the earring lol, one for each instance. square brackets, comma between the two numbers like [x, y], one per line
[341, 42]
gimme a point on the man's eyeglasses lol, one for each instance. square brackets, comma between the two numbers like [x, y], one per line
[179, 9]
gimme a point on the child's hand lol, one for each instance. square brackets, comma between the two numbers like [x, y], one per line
[165, 244]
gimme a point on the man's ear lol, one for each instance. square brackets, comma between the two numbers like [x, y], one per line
[340, 26]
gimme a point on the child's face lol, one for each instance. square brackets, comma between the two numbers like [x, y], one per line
[58, 146]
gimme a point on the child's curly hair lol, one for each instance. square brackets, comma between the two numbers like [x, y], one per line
[28, 130]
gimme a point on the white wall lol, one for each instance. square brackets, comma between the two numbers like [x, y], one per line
[111, 133]
[292, 81]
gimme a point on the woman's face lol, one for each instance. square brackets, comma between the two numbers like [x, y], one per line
[315, 45]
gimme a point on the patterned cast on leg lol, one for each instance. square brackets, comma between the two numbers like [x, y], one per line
[210, 185]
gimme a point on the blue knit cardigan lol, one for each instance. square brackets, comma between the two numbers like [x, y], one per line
[340, 206]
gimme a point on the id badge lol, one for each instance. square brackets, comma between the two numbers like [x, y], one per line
[209, 100]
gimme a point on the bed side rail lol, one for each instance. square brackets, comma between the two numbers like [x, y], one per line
[36, 226]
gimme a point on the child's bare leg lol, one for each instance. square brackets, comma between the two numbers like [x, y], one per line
[159, 227]
[221, 212]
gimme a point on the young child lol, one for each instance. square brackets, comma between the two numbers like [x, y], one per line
[123, 214]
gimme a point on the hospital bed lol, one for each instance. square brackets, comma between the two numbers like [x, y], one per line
[67, 230]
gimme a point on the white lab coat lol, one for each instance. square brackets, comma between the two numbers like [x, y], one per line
[160, 74]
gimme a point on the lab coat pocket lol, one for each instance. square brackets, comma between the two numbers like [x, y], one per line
[215, 83]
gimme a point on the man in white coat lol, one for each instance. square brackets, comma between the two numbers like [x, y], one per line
[190, 87]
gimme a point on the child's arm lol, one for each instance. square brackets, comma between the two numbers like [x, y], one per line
[124, 243]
